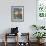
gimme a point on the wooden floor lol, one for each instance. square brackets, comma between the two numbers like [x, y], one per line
[13, 44]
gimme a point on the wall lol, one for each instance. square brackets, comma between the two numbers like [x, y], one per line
[29, 15]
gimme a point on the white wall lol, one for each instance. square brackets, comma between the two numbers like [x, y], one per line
[29, 15]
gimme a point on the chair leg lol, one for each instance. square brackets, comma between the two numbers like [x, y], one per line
[5, 43]
[5, 40]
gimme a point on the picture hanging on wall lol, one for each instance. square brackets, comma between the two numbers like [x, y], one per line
[41, 12]
[17, 13]
[41, 8]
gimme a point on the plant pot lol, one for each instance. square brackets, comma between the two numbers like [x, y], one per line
[38, 40]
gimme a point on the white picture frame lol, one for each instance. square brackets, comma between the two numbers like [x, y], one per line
[17, 13]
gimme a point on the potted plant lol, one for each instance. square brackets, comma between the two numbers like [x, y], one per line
[38, 27]
[39, 35]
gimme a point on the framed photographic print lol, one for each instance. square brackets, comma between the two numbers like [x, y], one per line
[41, 12]
[41, 8]
[17, 13]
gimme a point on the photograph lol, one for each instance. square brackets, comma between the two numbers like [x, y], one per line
[17, 13]
[22, 22]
